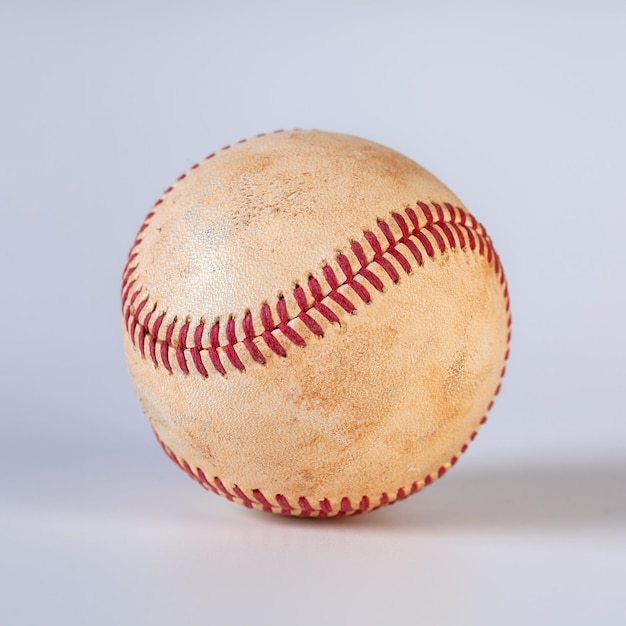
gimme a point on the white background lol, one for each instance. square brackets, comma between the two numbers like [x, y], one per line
[518, 107]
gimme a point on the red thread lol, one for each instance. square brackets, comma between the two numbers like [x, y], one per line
[345, 266]
[432, 229]
[386, 230]
[427, 212]
[360, 290]
[229, 348]
[459, 233]
[187, 468]
[153, 338]
[273, 344]
[342, 301]
[339, 298]
[371, 238]
[243, 497]
[402, 260]
[248, 325]
[459, 229]
[196, 354]
[180, 350]
[285, 507]
[248, 342]
[215, 344]
[303, 508]
[223, 491]
[358, 251]
[318, 305]
[401, 222]
[325, 508]
[261, 499]
[345, 507]
[134, 297]
[142, 304]
[165, 359]
[448, 233]
[311, 324]
[440, 216]
[408, 242]
[425, 241]
[471, 238]
[268, 323]
[202, 479]
[392, 272]
[290, 333]
[142, 335]
[331, 277]
[266, 317]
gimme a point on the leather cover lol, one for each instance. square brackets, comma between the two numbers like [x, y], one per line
[314, 324]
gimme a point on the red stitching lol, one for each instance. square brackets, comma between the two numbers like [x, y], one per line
[229, 347]
[182, 346]
[318, 305]
[215, 342]
[290, 333]
[259, 497]
[437, 232]
[302, 507]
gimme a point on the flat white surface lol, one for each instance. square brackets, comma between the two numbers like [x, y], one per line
[116, 538]
[519, 109]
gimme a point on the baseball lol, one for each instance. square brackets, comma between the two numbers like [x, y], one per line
[314, 324]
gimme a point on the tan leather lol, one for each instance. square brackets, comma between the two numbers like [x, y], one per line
[254, 374]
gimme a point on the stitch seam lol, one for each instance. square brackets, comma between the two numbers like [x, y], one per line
[302, 507]
[431, 231]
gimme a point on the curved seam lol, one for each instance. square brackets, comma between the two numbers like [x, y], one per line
[302, 507]
[436, 233]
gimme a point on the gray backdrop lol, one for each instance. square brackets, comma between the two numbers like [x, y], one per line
[518, 107]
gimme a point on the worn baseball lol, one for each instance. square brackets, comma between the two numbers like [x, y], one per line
[314, 324]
